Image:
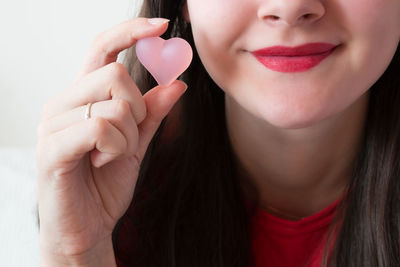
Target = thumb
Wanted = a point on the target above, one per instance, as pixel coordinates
(159, 101)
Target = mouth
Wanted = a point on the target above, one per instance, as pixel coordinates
(294, 59)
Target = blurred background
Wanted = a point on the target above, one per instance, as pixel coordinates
(43, 43)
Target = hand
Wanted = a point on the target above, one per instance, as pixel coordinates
(87, 169)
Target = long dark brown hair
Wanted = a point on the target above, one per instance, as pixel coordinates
(188, 207)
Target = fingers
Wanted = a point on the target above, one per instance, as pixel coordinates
(109, 44)
(159, 101)
(111, 129)
(117, 112)
(110, 82)
(96, 133)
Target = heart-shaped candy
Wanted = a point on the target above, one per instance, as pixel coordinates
(164, 59)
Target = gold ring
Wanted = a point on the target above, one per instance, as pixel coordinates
(87, 113)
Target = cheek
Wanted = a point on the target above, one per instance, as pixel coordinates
(377, 20)
(216, 27)
(210, 21)
(370, 33)
(373, 31)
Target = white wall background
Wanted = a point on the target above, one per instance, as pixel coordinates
(42, 45)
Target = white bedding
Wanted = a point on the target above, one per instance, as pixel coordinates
(19, 236)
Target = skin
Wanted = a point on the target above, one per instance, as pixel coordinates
(88, 168)
(296, 134)
(83, 165)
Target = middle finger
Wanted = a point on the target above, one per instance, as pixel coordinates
(117, 112)
(110, 82)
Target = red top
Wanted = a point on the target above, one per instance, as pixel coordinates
(279, 242)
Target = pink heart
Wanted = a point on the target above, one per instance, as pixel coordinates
(164, 59)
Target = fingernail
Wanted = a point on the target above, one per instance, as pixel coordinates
(185, 85)
(157, 21)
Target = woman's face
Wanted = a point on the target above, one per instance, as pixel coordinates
(287, 91)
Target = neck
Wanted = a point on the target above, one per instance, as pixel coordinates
(296, 172)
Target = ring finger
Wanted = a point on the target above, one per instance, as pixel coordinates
(116, 111)
(110, 82)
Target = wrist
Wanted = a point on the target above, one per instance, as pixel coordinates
(102, 255)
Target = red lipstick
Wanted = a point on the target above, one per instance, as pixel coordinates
(294, 59)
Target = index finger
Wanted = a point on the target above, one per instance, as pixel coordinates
(107, 45)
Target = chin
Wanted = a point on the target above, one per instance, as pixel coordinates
(292, 124)
(293, 118)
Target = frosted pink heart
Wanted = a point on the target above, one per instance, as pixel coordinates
(166, 60)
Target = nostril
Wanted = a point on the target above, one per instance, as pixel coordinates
(272, 17)
(308, 16)
(305, 17)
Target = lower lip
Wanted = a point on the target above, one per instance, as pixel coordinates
(292, 63)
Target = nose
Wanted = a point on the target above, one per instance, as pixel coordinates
(290, 12)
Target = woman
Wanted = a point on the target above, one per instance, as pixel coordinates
(266, 138)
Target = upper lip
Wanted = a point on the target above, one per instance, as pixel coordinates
(302, 50)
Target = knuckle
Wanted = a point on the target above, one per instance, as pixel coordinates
(122, 108)
(100, 126)
(134, 144)
(100, 44)
(98, 37)
(117, 71)
(98, 40)
(143, 112)
(133, 36)
(132, 140)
